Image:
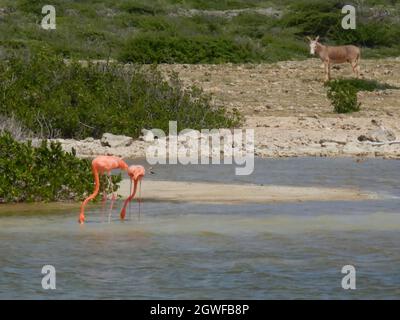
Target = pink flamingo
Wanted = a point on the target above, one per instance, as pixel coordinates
(100, 165)
(136, 173)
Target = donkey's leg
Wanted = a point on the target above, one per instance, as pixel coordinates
(356, 68)
(327, 71)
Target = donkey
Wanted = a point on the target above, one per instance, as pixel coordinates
(335, 55)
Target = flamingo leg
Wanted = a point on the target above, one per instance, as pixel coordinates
(140, 197)
(129, 205)
(92, 196)
(111, 208)
(129, 199)
(104, 199)
(112, 197)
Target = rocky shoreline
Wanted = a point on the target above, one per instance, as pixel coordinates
(275, 137)
(342, 136)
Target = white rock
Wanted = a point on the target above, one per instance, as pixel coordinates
(379, 135)
(115, 141)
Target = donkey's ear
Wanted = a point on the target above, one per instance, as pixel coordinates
(317, 38)
(308, 38)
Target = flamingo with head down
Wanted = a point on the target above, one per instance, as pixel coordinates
(101, 165)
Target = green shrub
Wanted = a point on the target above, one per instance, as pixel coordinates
(164, 30)
(157, 48)
(343, 92)
(343, 96)
(140, 8)
(315, 17)
(367, 84)
(323, 18)
(56, 99)
(278, 47)
(217, 5)
(369, 33)
(45, 173)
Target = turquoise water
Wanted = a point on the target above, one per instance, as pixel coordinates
(191, 251)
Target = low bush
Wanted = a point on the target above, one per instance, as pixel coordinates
(57, 99)
(157, 48)
(46, 173)
(343, 92)
(171, 31)
(323, 18)
(217, 5)
(343, 96)
(315, 17)
(367, 84)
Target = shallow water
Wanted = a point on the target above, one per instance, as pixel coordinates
(183, 251)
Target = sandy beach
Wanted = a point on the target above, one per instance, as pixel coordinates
(215, 193)
(205, 193)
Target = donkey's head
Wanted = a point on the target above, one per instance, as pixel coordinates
(313, 44)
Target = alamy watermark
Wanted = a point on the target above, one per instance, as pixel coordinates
(349, 280)
(49, 20)
(49, 279)
(349, 20)
(215, 146)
